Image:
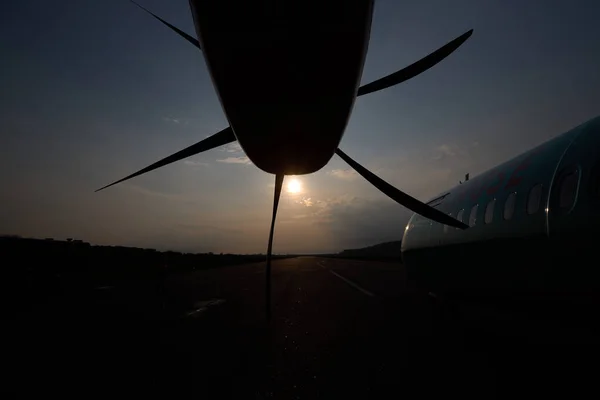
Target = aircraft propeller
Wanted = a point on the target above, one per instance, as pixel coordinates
(227, 135)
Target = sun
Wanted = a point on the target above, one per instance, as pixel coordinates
(294, 186)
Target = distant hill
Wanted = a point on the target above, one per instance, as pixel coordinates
(387, 251)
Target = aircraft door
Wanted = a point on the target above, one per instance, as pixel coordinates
(573, 210)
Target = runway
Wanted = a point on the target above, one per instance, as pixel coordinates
(339, 328)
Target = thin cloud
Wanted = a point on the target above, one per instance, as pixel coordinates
(354, 222)
(445, 151)
(236, 160)
(152, 193)
(305, 201)
(453, 151)
(345, 174)
(232, 148)
(172, 120)
(178, 121)
(192, 163)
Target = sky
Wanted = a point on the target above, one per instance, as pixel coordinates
(92, 91)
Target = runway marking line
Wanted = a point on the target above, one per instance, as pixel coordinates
(201, 306)
(348, 281)
(105, 287)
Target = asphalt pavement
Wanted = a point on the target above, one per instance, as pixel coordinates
(339, 329)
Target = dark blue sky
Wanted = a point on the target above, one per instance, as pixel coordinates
(92, 91)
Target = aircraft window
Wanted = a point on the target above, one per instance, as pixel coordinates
(489, 211)
(534, 199)
(509, 205)
(473, 215)
(567, 189)
(459, 216)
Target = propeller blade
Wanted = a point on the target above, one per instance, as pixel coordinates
(400, 197)
(218, 139)
(415, 69)
(278, 186)
(181, 33)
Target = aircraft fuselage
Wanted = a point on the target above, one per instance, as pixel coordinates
(534, 224)
(286, 74)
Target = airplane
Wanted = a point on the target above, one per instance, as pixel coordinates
(287, 76)
(529, 219)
